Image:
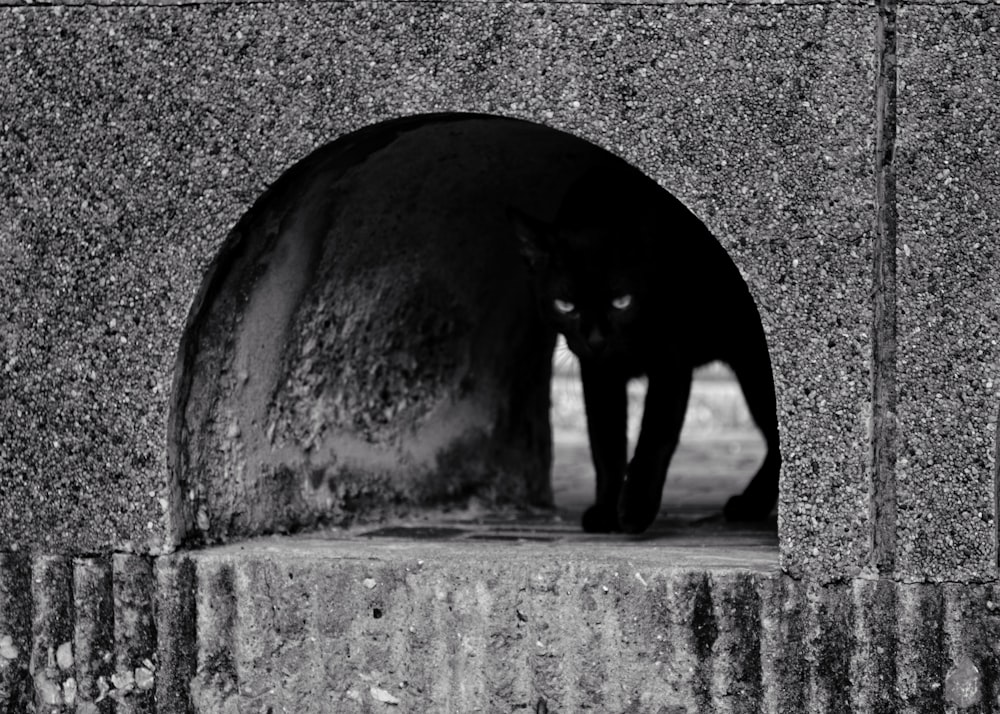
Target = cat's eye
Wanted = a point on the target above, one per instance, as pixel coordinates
(621, 302)
(564, 306)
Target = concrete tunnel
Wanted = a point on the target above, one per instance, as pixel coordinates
(365, 342)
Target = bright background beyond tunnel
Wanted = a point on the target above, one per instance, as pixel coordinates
(720, 447)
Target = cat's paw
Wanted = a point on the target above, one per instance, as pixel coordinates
(598, 519)
(638, 518)
(636, 513)
(639, 503)
(741, 509)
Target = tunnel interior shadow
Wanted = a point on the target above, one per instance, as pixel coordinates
(365, 345)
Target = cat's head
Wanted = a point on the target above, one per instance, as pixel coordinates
(588, 281)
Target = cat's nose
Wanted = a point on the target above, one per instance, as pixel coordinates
(595, 341)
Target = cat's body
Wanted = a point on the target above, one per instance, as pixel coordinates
(638, 286)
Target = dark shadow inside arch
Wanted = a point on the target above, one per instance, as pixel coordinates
(366, 343)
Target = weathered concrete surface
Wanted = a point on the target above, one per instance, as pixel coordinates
(462, 623)
(457, 628)
(122, 177)
(949, 311)
(125, 175)
(367, 341)
(83, 632)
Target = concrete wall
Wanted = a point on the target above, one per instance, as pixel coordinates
(133, 138)
(844, 153)
(947, 248)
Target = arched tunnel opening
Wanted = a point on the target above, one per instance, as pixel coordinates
(366, 343)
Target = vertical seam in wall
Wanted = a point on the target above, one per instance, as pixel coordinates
(883, 370)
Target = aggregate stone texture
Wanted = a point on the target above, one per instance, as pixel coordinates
(949, 291)
(134, 137)
(350, 622)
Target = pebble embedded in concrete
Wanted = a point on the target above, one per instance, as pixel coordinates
(963, 687)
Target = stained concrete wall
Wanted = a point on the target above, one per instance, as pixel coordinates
(320, 626)
(134, 137)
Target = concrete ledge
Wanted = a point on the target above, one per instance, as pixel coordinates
(451, 623)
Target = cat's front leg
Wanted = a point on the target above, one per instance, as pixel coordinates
(662, 419)
(605, 399)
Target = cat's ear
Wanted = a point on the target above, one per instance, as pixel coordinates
(534, 237)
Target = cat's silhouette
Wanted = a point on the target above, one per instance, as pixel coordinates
(639, 286)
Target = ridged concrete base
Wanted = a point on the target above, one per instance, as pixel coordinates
(459, 625)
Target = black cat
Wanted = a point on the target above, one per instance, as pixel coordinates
(638, 286)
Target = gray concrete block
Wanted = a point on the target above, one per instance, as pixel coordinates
(785, 636)
(135, 138)
(94, 635)
(134, 618)
(920, 663)
(443, 628)
(90, 643)
(134, 166)
(875, 660)
(176, 620)
(949, 315)
(971, 627)
(361, 623)
(15, 630)
(51, 661)
(832, 643)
